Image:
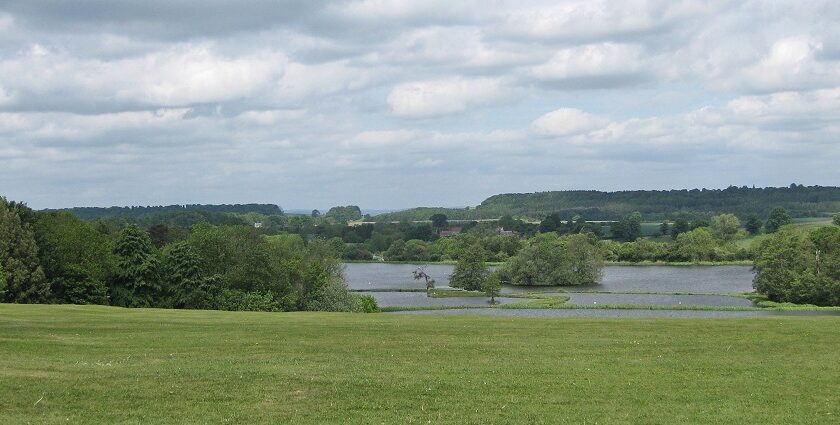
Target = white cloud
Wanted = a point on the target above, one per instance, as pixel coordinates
(426, 99)
(594, 64)
(568, 122)
(792, 63)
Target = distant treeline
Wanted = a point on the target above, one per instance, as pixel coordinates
(798, 200)
(140, 212)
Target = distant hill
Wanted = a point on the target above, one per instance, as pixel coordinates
(140, 212)
(800, 201)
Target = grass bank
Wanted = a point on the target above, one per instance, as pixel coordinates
(74, 364)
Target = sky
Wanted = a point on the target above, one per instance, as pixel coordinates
(396, 103)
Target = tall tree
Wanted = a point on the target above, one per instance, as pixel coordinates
(136, 282)
(778, 218)
(664, 228)
(470, 271)
(76, 258)
(753, 224)
(681, 225)
(25, 280)
(187, 287)
(725, 226)
(492, 286)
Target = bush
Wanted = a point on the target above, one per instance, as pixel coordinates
(369, 304)
(333, 296)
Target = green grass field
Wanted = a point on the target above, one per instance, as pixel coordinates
(75, 364)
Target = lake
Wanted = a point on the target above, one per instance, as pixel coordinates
(635, 279)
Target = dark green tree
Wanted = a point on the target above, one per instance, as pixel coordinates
(753, 224)
(836, 219)
(664, 228)
(76, 258)
(25, 279)
(778, 218)
(187, 287)
(470, 271)
(681, 225)
(629, 228)
(439, 221)
(551, 223)
(136, 282)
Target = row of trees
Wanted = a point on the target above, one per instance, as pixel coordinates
(57, 257)
(694, 204)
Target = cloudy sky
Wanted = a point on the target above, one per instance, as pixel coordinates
(397, 103)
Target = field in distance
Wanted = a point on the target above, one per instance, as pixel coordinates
(93, 364)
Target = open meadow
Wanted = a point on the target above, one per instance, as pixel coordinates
(93, 364)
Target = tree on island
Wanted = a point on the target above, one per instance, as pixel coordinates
(470, 271)
(420, 273)
(492, 287)
(549, 259)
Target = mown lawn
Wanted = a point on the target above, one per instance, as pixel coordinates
(74, 364)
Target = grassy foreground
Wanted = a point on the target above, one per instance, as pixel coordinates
(83, 364)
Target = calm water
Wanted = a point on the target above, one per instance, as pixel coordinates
(698, 279)
(620, 313)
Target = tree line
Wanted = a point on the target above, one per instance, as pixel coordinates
(56, 257)
(799, 200)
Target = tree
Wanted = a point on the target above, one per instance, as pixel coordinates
(136, 282)
(470, 271)
(551, 223)
(681, 225)
(629, 228)
(800, 267)
(315, 214)
(420, 273)
(76, 258)
(696, 245)
(344, 214)
(492, 287)
(548, 259)
(778, 218)
(664, 228)
(188, 289)
(753, 225)
(836, 219)
(725, 226)
(439, 221)
(25, 281)
(2, 282)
